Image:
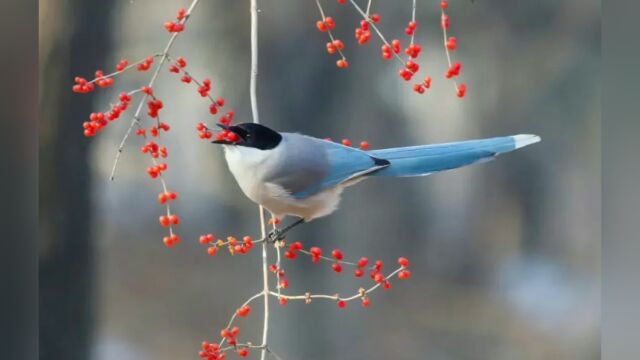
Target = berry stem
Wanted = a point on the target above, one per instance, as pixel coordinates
(358, 295)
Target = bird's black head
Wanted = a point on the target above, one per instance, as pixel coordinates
(252, 135)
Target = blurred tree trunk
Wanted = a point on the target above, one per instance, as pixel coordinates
(69, 32)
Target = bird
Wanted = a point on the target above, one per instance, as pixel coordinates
(292, 174)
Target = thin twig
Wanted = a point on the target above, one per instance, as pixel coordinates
(256, 119)
(336, 297)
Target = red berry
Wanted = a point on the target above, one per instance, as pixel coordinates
(235, 331)
(358, 273)
(316, 251)
(164, 221)
(168, 242)
(452, 43)
(283, 301)
(444, 4)
(244, 311)
(321, 26)
(427, 82)
(364, 145)
(462, 90)
(347, 142)
(363, 262)
(330, 23)
(336, 267)
(365, 302)
(404, 274)
(342, 304)
(378, 278)
(212, 250)
(337, 254)
(403, 262)
(342, 64)
(243, 352)
(395, 44)
(375, 18)
(444, 21)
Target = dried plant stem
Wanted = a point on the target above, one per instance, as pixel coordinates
(256, 119)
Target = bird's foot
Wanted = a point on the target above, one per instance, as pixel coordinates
(275, 235)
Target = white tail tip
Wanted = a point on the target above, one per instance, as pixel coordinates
(524, 140)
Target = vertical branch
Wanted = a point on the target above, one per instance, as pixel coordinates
(254, 62)
(256, 119)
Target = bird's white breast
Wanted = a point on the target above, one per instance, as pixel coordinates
(249, 166)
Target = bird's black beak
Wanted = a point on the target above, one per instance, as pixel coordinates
(234, 129)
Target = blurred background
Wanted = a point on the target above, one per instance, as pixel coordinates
(505, 255)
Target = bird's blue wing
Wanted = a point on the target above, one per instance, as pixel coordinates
(345, 163)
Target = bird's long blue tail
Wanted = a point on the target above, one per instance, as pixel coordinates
(427, 159)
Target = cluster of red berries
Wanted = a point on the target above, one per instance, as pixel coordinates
(180, 63)
(215, 352)
(453, 71)
(389, 50)
(122, 65)
(171, 240)
(176, 26)
(97, 121)
(291, 254)
(155, 130)
(82, 85)
(214, 107)
(420, 88)
(243, 311)
(146, 64)
(102, 81)
(283, 282)
(166, 220)
(362, 33)
(234, 246)
(154, 105)
(335, 46)
(152, 148)
(225, 134)
(327, 24)
(211, 352)
(156, 170)
(166, 196)
(411, 28)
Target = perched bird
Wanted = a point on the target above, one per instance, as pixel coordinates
(302, 176)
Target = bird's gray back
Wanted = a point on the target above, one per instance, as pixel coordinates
(301, 163)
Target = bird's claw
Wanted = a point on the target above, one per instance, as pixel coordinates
(275, 235)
